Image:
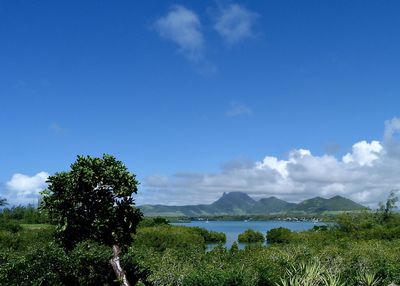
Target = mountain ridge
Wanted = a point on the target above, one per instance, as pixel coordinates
(240, 203)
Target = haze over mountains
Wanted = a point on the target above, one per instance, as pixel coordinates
(238, 203)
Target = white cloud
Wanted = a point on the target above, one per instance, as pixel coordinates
(365, 175)
(274, 164)
(23, 189)
(364, 153)
(238, 109)
(235, 23)
(391, 127)
(183, 27)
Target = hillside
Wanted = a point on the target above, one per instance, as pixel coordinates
(318, 205)
(238, 203)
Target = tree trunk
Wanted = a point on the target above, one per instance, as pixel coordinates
(115, 263)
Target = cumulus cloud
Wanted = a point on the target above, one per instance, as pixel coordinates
(24, 189)
(366, 175)
(183, 27)
(235, 23)
(238, 109)
(364, 153)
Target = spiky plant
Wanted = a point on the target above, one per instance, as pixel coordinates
(310, 274)
(368, 279)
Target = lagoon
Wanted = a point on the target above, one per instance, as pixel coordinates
(233, 228)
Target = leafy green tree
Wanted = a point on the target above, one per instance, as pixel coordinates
(3, 202)
(279, 235)
(386, 209)
(93, 201)
(250, 236)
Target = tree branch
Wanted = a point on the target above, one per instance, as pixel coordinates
(115, 263)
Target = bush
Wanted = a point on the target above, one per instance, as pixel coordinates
(251, 236)
(163, 237)
(153, 221)
(11, 227)
(87, 264)
(210, 236)
(279, 235)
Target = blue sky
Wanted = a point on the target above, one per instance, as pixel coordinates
(187, 91)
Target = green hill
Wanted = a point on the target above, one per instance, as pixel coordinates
(233, 203)
(319, 205)
(238, 203)
(271, 205)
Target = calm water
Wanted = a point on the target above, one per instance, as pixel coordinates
(233, 228)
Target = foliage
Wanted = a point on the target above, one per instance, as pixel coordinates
(384, 224)
(386, 210)
(359, 250)
(174, 255)
(320, 228)
(153, 221)
(368, 279)
(87, 264)
(3, 202)
(23, 215)
(162, 237)
(312, 273)
(279, 235)
(251, 235)
(92, 201)
(210, 236)
(10, 226)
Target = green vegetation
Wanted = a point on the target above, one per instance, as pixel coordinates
(3, 202)
(164, 237)
(279, 235)
(23, 214)
(16, 218)
(174, 255)
(210, 236)
(92, 201)
(250, 236)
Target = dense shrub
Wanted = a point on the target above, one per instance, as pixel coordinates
(23, 214)
(87, 264)
(153, 221)
(279, 235)
(210, 236)
(251, 236)
(166, 236)
(10, 226)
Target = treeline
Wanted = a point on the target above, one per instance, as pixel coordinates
(12, 219)
(22, 215)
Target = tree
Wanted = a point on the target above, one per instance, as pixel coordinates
(250, 236)
(93, 201)
(279, 235)
(3, 202)
(386, 209)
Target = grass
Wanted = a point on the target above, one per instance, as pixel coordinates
(27, 226)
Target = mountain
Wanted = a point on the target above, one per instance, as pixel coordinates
(234, 202)
(238, 203)
(318, 205)
(271, 205)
